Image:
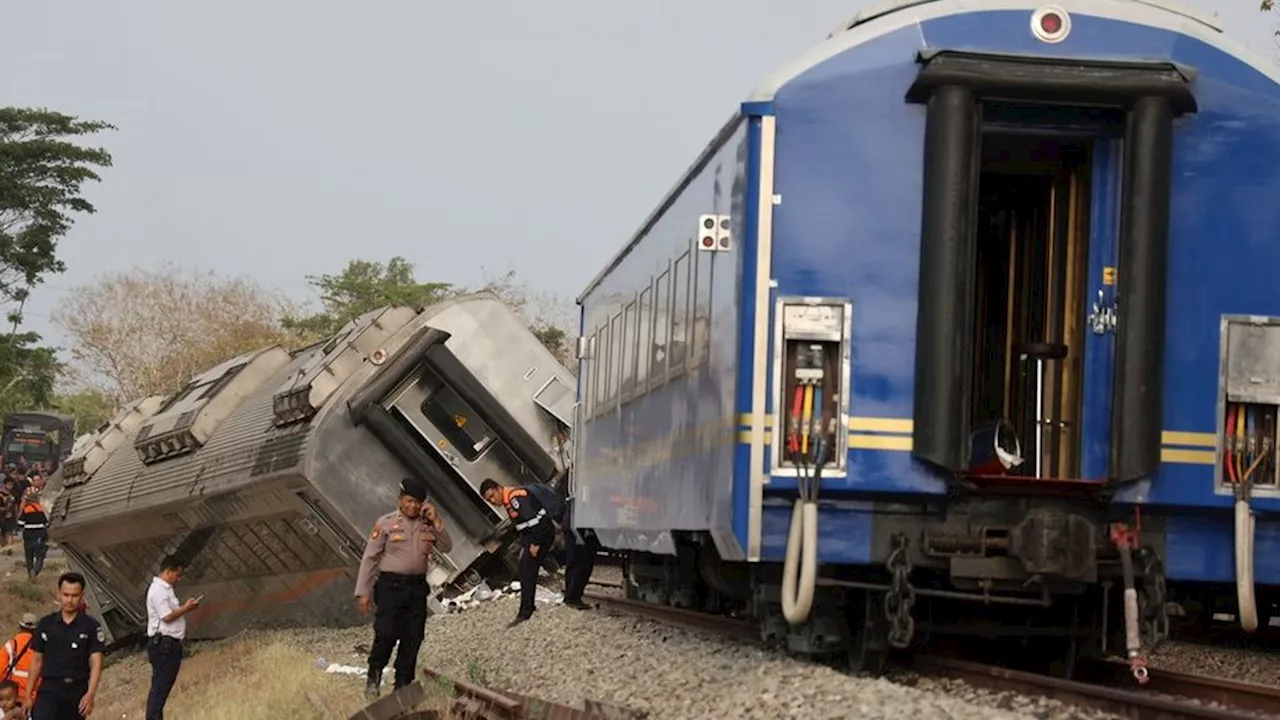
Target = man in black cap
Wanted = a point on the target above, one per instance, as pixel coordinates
(399, 549)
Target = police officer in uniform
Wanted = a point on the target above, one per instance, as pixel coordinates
(399, 549)
(66, 656)
(536, 532)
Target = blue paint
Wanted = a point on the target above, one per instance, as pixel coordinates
(848, 168)
(844, 534)
(1099, 350)
(1202, 549)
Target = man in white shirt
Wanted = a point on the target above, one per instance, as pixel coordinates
(166, 627)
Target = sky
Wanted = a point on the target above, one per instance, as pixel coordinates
(282, 139)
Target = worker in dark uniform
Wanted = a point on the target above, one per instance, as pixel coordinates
(536, 532)
(399, 549)
(66, 657)
(580, 560)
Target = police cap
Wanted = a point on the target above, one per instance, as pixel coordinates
(414, 488)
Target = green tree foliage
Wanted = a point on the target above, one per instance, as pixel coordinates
(361, 287)
(41, 176)
(28, 373)
(91, 408)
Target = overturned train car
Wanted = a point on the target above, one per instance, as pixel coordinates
(266, 471)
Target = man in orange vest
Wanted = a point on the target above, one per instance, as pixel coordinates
(15, 656)
(35, 533)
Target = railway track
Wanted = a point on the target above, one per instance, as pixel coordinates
(438, 697)
(1107, 686)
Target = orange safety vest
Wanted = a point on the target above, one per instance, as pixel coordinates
(13, 648)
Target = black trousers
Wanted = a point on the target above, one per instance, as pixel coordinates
(580, 562)
(400, 618)
(36, 546)
(543, 535)
(165, 654)
(59, 699)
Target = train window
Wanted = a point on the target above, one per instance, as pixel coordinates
(644, 329)
(602, 371)
(615, 358)
(629, 349)
(458, 422)
(679, 311)
(657, 355)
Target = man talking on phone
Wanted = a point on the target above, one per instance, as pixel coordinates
(166, 626)
(399, 551)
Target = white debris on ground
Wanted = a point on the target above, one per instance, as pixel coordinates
(482, 593)
(567, 655)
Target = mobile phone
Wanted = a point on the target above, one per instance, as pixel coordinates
(199, 598)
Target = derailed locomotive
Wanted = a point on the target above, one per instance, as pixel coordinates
(960, 325)
(266, 471)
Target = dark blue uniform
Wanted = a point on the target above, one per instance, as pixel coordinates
(65, 672)
(534, 526)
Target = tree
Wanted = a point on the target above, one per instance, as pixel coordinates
(41, 176)
(90, 406)
(362, 287)
(145, 332)
(28, 373)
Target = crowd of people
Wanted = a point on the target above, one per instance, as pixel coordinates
(22, 513)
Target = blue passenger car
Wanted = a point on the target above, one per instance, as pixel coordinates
(971, 305)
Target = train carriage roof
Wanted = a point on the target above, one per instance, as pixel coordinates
(860, 29)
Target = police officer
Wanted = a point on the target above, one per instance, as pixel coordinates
(399, 548)
(536, 532)
(66, 656)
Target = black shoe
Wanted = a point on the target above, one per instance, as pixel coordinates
(374, 686)
(519, 619)
(577, 605)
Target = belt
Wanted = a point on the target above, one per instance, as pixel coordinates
(400, 576)
(66, 680)
(33, 527)
(530, 523)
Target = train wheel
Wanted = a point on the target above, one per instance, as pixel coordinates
(869, 639)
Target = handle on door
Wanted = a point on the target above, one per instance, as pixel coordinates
(1102, 318)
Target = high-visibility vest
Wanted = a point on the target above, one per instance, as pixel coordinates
(16, 645)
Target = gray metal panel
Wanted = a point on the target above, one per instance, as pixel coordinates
(124, 485)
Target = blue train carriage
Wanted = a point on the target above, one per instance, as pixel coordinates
(969, 308)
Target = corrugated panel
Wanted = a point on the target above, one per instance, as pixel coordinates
(124, 484)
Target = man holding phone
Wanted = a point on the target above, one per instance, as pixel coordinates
(166, 626)
(399, 552)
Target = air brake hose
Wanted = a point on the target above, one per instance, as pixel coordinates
(1132, 635)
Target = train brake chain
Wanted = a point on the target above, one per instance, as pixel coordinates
(901, 598)
(1153, 599)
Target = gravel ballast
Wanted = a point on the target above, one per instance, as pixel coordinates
(567, 656)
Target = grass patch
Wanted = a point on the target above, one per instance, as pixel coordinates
(243, 679)
(26, 591)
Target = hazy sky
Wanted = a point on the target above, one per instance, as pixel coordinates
(280, 139)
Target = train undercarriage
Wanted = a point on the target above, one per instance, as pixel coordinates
(939, 582)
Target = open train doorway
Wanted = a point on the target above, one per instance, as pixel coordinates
(1032, 234)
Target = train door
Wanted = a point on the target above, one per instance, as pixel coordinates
(1098, 336)
(1032, 251)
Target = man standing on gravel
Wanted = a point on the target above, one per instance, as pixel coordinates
(399, 549)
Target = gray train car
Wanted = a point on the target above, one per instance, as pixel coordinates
(267, 471)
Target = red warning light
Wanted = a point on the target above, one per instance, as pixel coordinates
(708, 241)
(1051, 23)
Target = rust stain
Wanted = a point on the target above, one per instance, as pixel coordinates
(305, 586)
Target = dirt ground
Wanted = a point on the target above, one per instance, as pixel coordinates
(271, 676)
